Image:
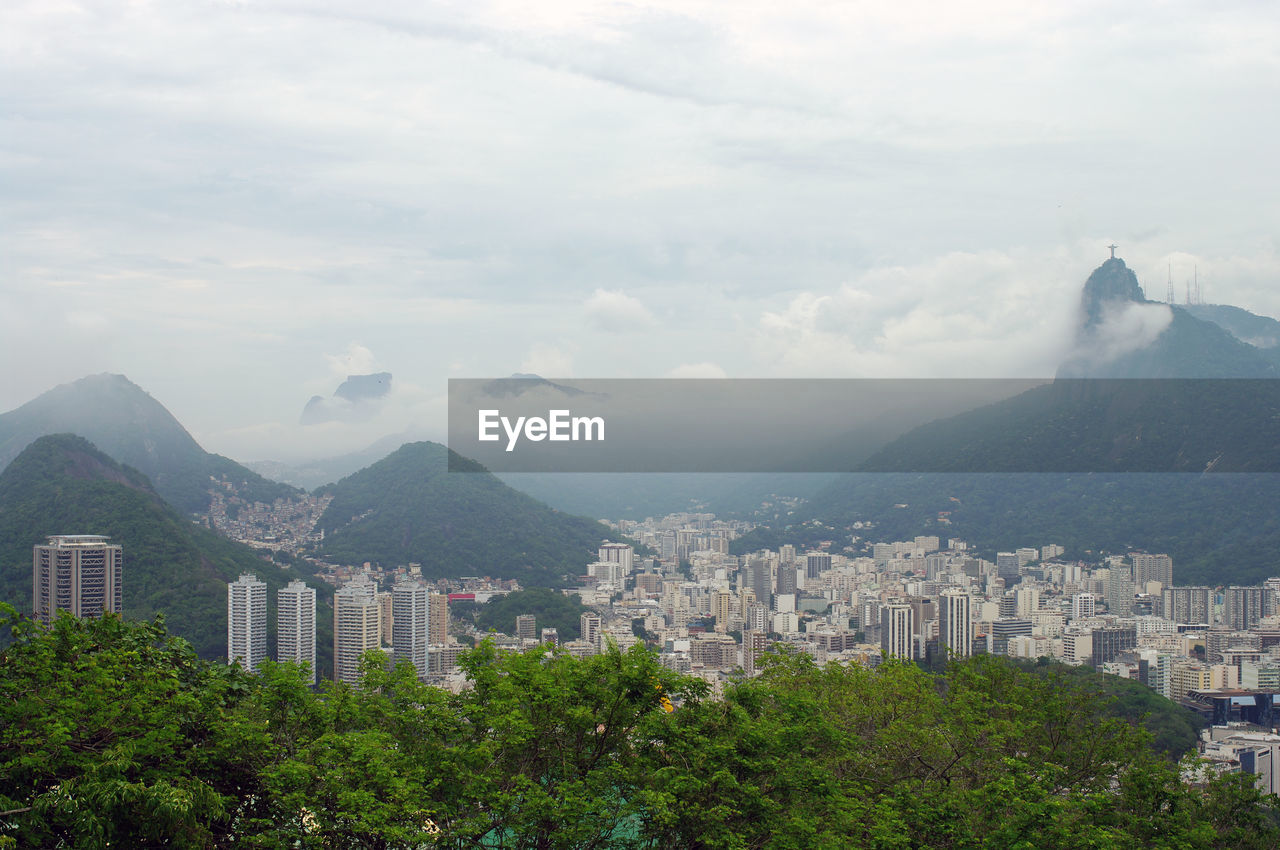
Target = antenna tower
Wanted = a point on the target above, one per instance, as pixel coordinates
(1169, 291)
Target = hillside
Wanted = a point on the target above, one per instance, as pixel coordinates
(123, 421)
(61, 484)
(1220, 529)
(1101, 425)
(1096, 465)
(1260, 331)
(408, 507)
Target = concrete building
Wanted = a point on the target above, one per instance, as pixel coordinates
(296, 625)
(1148, 568)
(897, 630)
(357, 624)
(247, 622)
(590, 627)
(526, 627)
(78, 573)
(955, 624)
(409, 633)
(437, 618)
(1188, 605)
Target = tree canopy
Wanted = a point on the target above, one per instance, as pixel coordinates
(114, 733)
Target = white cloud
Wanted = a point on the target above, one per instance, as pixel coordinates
(961, 315)
(615, 311)
(697, 370)
(549, 361)
(356, 360)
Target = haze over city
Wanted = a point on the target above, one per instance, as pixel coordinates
(239, 204)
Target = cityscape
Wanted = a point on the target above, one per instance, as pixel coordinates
(714, 615)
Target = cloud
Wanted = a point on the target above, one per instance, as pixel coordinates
(549, 361)
(697, 370)
(989, 315)
(616, 312)
(356, 360)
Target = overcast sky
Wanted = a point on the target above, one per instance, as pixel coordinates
(238, 203)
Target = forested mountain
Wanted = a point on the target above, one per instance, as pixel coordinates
(61, 484)
(122, 420)
(1123, 459)
(408, 507)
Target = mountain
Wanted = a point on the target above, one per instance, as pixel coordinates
(121, 419)
(1103, 425)
(1121, 461)
(1260, 331)
(409, 508)
(1123, 335)
(62, 484)
(357, 398)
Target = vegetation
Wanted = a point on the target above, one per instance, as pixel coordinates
(1219, 529)
(61, 484)
(551, 609)
(112, 733)
(409, 507)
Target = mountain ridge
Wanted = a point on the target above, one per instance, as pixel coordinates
(132, 427)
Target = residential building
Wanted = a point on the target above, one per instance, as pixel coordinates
(247, 622)
(296, 625)
(78, 573)
(357, 626)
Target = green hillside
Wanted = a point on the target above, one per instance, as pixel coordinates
(121, 419)
(408, 507)
(1096, 425)
(61, 484)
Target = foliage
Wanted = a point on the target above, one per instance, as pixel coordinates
(410, 507)
(114, 733)
(550, 608)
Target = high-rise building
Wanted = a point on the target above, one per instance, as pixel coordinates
(590, 626)
(1187, 604)
(1110, 641)
(617, 553)
(356, 628)
(1005, 628)
(386, 617)
(437, 618)
(551, 636)
(409, 625)
(754, 644)
(786, 584)
(816, 563)
(1083, 606)
(78, 573)
(760, 580)
(955, 624)
(1119, 594)
(1148, 568)
(1241, 607)
(247, 622)
(1007, 567)
(526, 627)
(296, 625)
(896, 630)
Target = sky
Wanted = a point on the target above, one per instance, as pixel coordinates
(238, 203)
